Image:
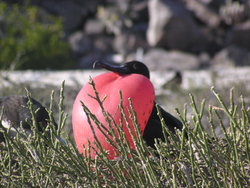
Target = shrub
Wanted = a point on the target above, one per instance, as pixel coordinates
(202, 160)
(31, 39)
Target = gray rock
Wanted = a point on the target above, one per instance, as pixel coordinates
(71, 13)
(94, 26)
(159, 59)
(233, 12)
(197, 79)
(102, 43)
(240, 35)
(190, 79)
(172, 26)
(203, 13)
(128, 42)
(88, 48)
(231, 56)
(80, 44)
(232, 77)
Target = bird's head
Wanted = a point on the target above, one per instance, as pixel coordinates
(131, 67)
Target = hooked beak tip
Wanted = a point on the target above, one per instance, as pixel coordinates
(95, 64)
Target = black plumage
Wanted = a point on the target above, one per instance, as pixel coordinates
(153, 128)
(16, 113)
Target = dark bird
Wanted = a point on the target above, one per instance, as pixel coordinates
(16, 113)
(174, 82)
(153, 128)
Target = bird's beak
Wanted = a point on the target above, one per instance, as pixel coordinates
(118, 68)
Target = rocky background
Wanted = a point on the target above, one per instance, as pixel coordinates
(165, 34)
(189, 45)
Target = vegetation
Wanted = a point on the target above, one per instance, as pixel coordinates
(201, 160)
(31, 39)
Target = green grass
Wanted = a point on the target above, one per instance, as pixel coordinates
(202, 160)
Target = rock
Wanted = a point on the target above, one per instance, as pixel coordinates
(197, 79)
(102, 43)
(128, 31)
(190, 78)
(88, 48)
(71, 13)
(80, 44)
(94, 26)
(233, 12)
(128, 42)
(215, 4)
(205, 60)
(159, 59)
(171, 26)
(240, 35)
(231, 56)
(232, 77)
(203, 13)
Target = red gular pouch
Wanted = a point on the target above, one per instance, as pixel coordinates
(136, 87)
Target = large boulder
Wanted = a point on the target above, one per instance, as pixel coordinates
(159, 59)
(87, 48)
(73, 12)
(172, 26)
(80, 43)
(230, 57)
(240, 35)
(94, 26)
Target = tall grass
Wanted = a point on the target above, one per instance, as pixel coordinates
(199, 160)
